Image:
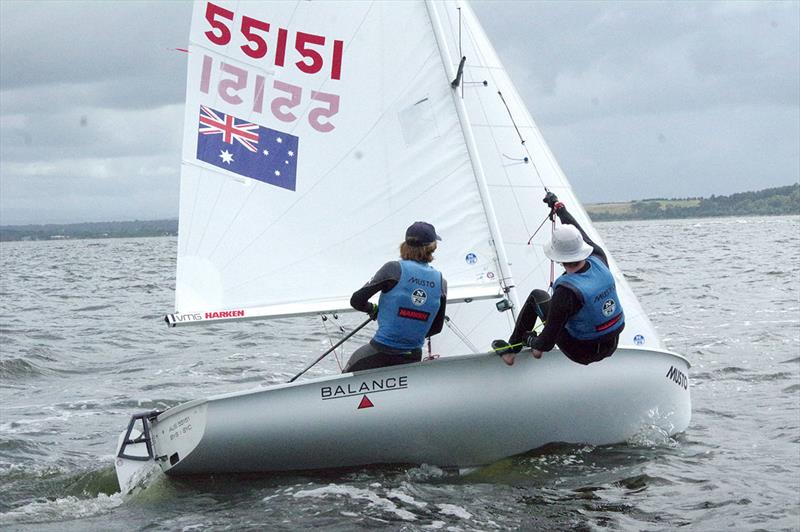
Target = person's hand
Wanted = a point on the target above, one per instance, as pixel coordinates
(536, 353)
(374, 312)
(531, 338)
(550, 199)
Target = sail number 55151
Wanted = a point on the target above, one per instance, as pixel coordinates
(235, 82)
(310, 47)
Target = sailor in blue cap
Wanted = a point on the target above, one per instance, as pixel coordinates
(411, 305)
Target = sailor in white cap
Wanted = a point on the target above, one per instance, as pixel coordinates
(584, 317)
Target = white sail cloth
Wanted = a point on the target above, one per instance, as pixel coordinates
(365, 122)
(376, 150)
(516, 187)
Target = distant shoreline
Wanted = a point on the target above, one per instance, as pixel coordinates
(768, 202)
(89, 230)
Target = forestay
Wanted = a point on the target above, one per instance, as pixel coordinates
(315, 133)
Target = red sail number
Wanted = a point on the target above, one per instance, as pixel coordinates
(310, 49)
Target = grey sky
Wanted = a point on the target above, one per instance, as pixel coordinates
(636, 99)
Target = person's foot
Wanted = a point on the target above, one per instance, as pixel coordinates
(505, 351)
(500, 347)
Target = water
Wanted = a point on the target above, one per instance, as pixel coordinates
(83, 347)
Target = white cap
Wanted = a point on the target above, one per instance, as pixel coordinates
(567, 245)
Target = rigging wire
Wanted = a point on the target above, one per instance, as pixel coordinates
(522, 140)
(482, 60)
(461, 336)
(330, 339)
(538, 228)
(460, 50)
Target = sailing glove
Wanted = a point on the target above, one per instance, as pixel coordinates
(531, 339)
(551, 200)
(374, 312)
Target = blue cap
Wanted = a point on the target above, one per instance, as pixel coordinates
(421, 234)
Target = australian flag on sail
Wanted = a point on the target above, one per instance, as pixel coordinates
(247, 149)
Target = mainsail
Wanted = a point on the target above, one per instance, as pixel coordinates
(315, 132)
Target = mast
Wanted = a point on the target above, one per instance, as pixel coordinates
(506, 280)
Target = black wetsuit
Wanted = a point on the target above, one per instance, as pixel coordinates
(562, 306)
(376, 354)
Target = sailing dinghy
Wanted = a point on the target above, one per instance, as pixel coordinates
(314, 133)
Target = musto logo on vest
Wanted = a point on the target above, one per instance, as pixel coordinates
(419, 297)
(608, 307)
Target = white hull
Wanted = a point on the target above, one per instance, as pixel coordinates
(451, 412)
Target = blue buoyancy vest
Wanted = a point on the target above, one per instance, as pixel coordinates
(406, 312)
(601, 312)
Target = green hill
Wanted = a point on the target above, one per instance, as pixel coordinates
(767, 202)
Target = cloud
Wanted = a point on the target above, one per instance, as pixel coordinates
(64, 42)
(90, 189)
(84, 131)
(92, 110)
(645, 99)
(645, 57)
(637, 99)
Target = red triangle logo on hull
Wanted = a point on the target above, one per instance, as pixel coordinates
(365, 403)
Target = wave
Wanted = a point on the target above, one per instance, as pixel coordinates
(37, 491)
(15, 368)
(92, 308)
(60, 509)
(794, 388)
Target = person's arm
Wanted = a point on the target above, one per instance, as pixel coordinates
(564, 304)
(567, 219)
(384, 280)
(438, 321)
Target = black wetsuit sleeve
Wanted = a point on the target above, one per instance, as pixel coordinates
(384, 280)
(567, 218)
(563, 305)
(438, 321)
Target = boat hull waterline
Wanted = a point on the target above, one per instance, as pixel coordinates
(463, 411)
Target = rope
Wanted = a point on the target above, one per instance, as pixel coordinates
(325, 326)
(537, 229)
(552, 262)
(460, 335)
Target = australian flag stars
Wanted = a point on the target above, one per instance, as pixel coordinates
(247, 149)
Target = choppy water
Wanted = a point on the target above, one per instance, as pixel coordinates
(83, 347)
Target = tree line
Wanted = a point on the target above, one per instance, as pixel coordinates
(767, 202)
(133, 229)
